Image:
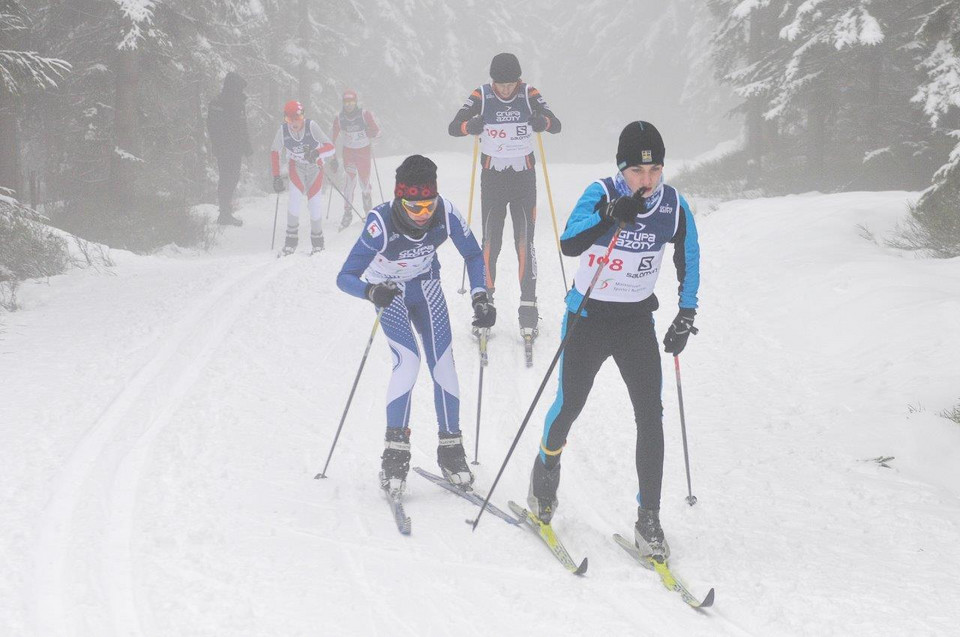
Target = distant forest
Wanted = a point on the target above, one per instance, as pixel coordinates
(103, 102)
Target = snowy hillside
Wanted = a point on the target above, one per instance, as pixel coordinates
(162, 424)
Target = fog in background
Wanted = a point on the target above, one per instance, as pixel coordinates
(104, 103)
(600, 65)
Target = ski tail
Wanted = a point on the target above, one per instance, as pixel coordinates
(404, 525)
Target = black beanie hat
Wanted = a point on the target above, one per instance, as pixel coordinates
(640, 143)
(416, 178)
(505, 67)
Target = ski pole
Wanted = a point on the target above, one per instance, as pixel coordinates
(483, 363)
(377, 171)
(553, 214)
(473, 178)
(340, 192)
(343, 418)
(329, 200)
(691, 499)
(596, 276)
(276, 211)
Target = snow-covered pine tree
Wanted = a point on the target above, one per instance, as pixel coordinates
(833, 77)
(22, 69)
(936, 217)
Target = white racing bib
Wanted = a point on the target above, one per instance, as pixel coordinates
(506, 125)
(631, 273)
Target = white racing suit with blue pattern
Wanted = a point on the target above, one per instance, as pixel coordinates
(383, 253)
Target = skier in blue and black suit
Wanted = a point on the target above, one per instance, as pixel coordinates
(617, 320)
(394, 265)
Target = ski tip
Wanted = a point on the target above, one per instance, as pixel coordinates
(582, 569)
(708, 600)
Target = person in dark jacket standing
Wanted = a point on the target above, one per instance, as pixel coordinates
(230, 140)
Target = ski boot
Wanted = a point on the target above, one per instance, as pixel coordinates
(316, 241)
(289, 245)
(648, 535)
(453, 461)
(347, 219)
(542, 496)
(529, 319)
(367, 202)
(227, 219)
(476, 330)
(395, 461)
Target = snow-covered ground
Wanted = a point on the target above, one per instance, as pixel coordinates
(162, 424)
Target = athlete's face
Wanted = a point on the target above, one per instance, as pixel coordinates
(645, 177)
(294, 122)
(505, 90)
(420, 211)
(349, 105)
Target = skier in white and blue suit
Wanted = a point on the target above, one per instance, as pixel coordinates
(617, 319)
(394, 265)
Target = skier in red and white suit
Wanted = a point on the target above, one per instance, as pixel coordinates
(307, 147)
(358, 127)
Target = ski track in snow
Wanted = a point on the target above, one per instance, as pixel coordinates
(187, 506)
(177, 363)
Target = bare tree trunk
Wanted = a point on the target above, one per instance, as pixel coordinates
(304, 75)
(125, 124)
(754, 123)
(10, 174)
(200, 165)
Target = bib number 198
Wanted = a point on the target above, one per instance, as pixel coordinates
(616, 264)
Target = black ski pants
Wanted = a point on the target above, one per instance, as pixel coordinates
(229, 166)
(498, 189)
(632, 342)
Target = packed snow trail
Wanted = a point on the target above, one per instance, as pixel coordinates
(163, 424)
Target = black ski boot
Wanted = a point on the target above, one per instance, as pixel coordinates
(316, 241)
(542, 496)
(395, 461)
(529, 319)
(227, 219)
(648, 535)
(453, 461)
(290, 244)
(347, 219)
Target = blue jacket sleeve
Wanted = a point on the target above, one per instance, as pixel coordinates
(686, 256)
(469, 249)
(372, 240)
(585, 224)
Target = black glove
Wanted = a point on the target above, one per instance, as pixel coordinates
(333, 164)
(475, 125)
(312, 155)
(278, 184)
(539, 122)
(624, 209)
(679, 331)
(382, 294)
(484, 314)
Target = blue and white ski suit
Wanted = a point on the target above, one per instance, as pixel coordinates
(383, 253)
